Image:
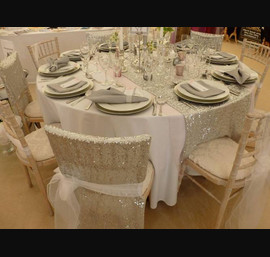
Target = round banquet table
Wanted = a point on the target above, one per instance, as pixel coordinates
(169, 132)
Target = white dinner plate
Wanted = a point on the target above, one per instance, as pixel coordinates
(200, 101)
(125, 112)
(104, 47)
(127, 107)
(70, 68)
(221, 60)
(221, 76)
(76, 57)
(67, 96)
(50, 92)
(213, 99)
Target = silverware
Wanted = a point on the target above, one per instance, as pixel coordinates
(88, 106)
(73, 99)
(78, 100)
(233, 92)
(189, 105)
(154, 113)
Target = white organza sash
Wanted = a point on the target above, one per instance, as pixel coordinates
(61, 195)
(248, 211)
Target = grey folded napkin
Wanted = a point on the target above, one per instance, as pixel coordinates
(114, 96)
(211, 91)
(55, 64)
(74, 84)
(226, 55)
(73, 55)
(238, 74)
(221, 56)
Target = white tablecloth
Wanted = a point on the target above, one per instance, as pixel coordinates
(168, 134)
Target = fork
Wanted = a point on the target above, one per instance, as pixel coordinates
(234, 92)
(88, 106)
(154, 113)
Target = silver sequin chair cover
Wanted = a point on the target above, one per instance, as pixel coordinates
(207, 39)
(13, 76)
(105, 161)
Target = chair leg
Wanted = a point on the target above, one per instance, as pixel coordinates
(222, 208)
(181, 174)
(38, 125)
(26, 128)
(29, 182)
(43, 190)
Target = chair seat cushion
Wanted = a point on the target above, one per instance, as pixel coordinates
(255, 123)
(32, 110)
(39, 145)
(217, 157)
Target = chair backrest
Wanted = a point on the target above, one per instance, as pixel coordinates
(41, 52)
(13, 76)
(105, 161)
(207, 39)
(15, 133)
(259, 120)
(259, 53)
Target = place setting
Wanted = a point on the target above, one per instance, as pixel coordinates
(73, 55)
(58, 67)
(202, 91)
(121, 101)
(65, 88)
(105, 47)
(221, 58)
(239, 75)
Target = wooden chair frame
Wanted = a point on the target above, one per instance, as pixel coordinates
(231, 183)
(45, 49)
(261, 54)
(234, 34)
(29, 163)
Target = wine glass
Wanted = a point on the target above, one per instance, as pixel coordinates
(85, 54)
(148, 66)
(104, 62)
(161, 100)
(117, 68)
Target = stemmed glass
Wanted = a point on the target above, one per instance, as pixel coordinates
(85, 54)
(161, 100)
(92, 63)
(104, 61)
(148, 66)
(117, 67)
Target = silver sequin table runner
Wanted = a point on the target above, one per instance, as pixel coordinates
(206, 122)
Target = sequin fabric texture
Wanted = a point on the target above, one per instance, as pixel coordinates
(106, 161)
(12, 74)
(203, 122)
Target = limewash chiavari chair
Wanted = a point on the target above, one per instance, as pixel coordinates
(110, 179)
(19, 96)
(225, 162)
(259, 53)
(41, 52)
(33, 150)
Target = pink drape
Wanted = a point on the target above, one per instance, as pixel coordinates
(211, 30)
